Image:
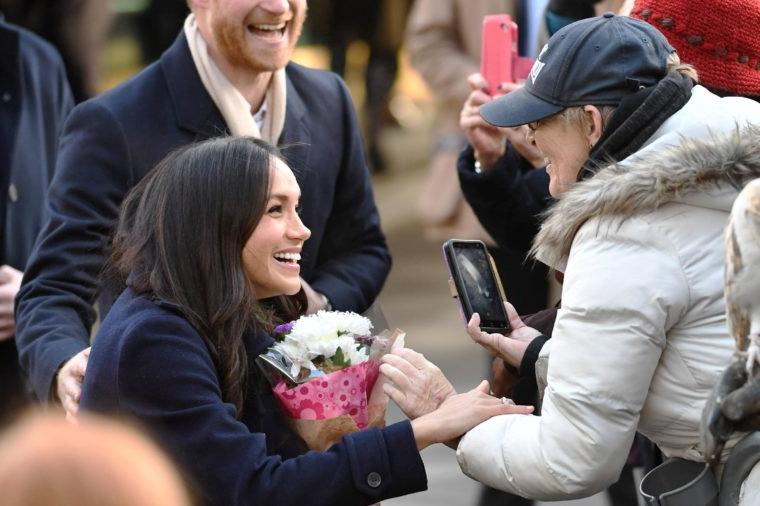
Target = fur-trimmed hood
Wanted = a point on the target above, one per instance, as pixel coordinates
(717, 165)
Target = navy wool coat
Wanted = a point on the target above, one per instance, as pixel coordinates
(112, 141)
(149, 363)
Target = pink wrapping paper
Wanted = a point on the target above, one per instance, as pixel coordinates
(344, 392)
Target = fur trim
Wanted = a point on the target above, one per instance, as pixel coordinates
(646, 182)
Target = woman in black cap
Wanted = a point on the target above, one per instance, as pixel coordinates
(641, 336)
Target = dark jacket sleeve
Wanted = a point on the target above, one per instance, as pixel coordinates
(354, 260)
(54, 311)
(167, 380)
(507, 199)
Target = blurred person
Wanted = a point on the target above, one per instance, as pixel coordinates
(191, 322)
(157, 26)
(227, 72)
(443, 40)
(77, 29)
(640, 244)
(378, 23)
(96, 462)
(35, 101)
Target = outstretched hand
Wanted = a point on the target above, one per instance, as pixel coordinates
(460, 413)
(417, 385)
(510, 348)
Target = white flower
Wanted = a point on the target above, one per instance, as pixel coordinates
(322, 334)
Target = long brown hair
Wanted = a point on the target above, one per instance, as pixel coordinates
(180, 238)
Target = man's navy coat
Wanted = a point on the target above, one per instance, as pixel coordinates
(112, 141)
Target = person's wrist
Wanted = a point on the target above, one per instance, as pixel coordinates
(423, 431)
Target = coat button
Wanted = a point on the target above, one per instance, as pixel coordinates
(374, 480)
(12, 193)
(6, 97)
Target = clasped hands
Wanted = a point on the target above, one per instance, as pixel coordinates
(428, 398)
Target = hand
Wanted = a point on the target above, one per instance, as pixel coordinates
(509, 348)
(521, 138)
(417, 385)
(315, 300)
(502, 378)
(10, 282)
(488, 141)
(69, 382)
(460, 413)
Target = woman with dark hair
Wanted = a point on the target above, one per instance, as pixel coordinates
(212, 231)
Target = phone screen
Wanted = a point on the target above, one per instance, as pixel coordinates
(478, 282)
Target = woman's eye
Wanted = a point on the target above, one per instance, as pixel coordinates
(299, 208)
(275, 209)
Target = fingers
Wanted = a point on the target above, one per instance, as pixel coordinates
(400, 363)
(514, 319)
(505, 88)
(400, 380)
(414, 358)
(477, 81)
(72, 392)
(513, 409)
(484, 387)
(395, 394)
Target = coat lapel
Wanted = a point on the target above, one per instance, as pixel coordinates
(295, 140)
(193, 107)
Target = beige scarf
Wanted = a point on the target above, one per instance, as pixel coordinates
(234, 107)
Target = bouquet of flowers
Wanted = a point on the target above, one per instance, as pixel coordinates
(324, 369)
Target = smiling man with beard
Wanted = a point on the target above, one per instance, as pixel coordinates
(228, 72)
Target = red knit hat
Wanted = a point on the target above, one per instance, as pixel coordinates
(719, 37)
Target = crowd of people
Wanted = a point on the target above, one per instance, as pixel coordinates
(224, 190)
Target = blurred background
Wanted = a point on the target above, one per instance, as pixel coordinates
(104, 42)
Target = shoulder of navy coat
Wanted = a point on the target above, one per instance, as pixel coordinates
(150, 364)
(110, 142)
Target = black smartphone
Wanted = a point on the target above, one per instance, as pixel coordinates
(475, 282)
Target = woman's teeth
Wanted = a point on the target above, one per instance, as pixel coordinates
(288, 257)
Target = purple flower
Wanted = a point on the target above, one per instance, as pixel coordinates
(283, 329)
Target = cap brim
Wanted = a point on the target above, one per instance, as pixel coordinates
(519, 107)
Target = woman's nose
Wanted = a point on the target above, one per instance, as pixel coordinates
(298, 230)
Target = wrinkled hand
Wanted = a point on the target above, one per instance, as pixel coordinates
(460, 413)
(10, 282)
(417, 385)
(509, 348)
(314, 299)
(69, 382)
(488, 141)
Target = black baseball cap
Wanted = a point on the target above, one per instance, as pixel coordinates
(595, 61)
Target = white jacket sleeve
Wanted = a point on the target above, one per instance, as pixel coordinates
(622, 291)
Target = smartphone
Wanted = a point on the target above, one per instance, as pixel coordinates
(499, 60)
(474, 281)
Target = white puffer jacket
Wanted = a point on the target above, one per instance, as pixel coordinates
(641, 337)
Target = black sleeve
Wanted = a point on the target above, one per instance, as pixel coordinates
(528, 364)
(507, 199)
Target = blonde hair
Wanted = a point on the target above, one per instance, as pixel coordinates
(674, 65)
(46, 460)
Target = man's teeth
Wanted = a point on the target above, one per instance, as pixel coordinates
(270, 28)
(288, 257)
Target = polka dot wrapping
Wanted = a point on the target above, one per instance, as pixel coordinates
(344, 392)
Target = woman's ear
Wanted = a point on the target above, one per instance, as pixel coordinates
(593, 125)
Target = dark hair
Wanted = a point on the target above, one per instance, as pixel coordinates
(180, 238)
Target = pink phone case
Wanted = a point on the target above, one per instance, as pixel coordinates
(499, 60)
